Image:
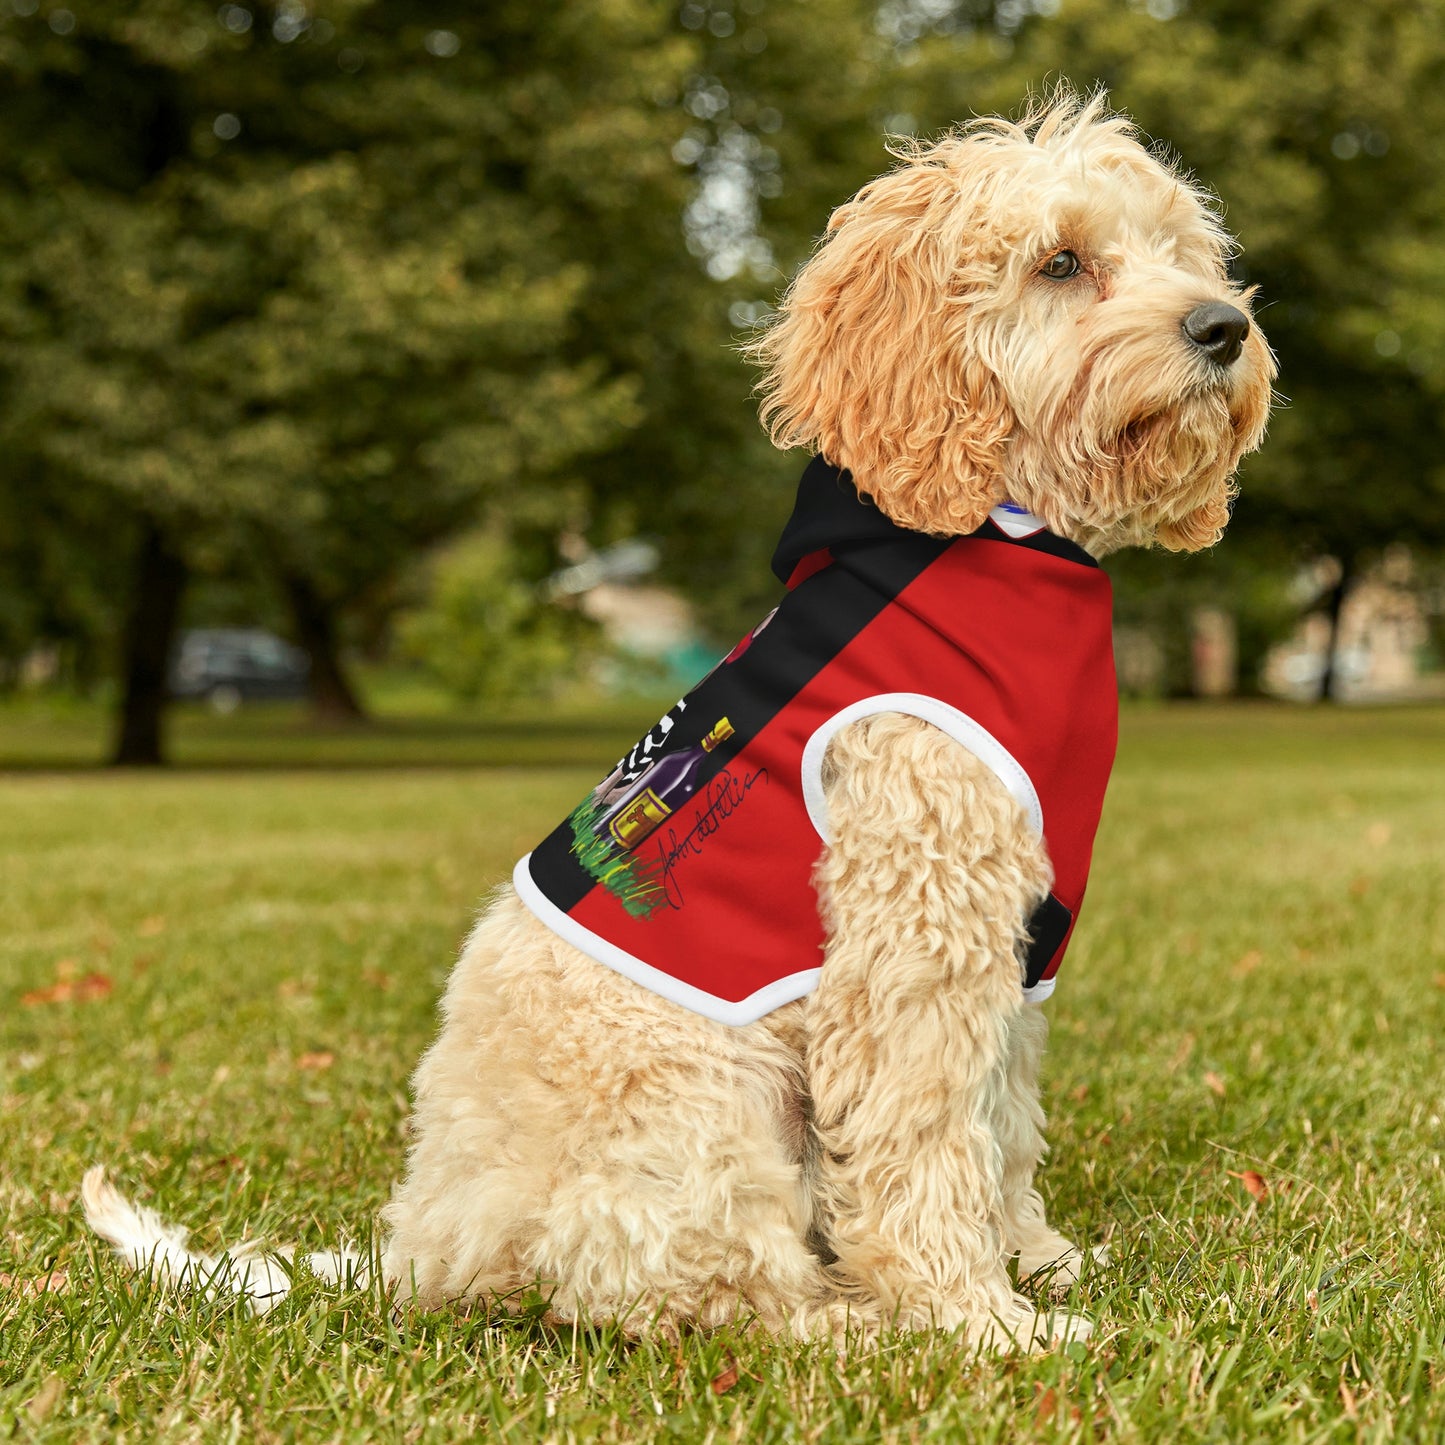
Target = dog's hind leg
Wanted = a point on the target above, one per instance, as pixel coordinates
(577, 1135)
(931, 870)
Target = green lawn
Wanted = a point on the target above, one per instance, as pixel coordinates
(216, 980)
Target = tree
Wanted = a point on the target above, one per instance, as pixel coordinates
(1318, 122)
(298, 289)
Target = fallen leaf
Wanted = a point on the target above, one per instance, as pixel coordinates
(724, 1382)
(320, 1059)
(1214, 1083)
(1254, 1182)
(56, 1282)
(1248, 963)
(151, 927)
(82, 990)
(1080, 1094)
(56, 993)
(1440, 980)
(1047, 1408)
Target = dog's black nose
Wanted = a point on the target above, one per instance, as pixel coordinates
(1218, 331)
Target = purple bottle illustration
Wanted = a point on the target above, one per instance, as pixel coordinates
(643, 803)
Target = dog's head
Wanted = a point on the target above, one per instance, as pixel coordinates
(1036, 310)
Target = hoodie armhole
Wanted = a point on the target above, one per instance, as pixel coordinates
(947, 719)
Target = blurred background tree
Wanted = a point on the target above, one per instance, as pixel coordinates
(483, 632)
(294, 293)
(304, 290)
(1316, 121)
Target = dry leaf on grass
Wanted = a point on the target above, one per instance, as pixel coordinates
(66, 990)
(1248, 963)
(724, 1382)
(1214, 1083)
(1046, 1408)
(1254, 1183)
(56, 1282)
(320, 1059)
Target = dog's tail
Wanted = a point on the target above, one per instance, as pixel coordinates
(146, 1242)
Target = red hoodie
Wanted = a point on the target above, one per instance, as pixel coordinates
(689, 868)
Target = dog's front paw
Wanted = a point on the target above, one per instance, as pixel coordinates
(1056, 1267)
(1023, 1326)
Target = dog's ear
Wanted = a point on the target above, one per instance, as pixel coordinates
(873, 359)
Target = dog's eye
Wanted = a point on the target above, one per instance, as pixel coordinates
(1060, 266)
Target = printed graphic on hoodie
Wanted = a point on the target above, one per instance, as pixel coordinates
(644, 790)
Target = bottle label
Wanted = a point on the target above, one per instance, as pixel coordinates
(641, 815)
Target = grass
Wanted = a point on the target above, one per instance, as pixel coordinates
(409, 729)
(217, 980)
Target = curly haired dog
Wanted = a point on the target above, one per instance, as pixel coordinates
(1035, 313)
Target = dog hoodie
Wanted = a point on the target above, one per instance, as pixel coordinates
(689, 867)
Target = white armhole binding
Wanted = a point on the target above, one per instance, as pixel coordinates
(962, 729)
(947, 719)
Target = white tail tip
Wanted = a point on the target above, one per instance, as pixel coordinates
(147, 1243)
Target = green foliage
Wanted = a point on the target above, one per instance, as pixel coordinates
(308, 286)
(315, 287)
(1317, 121)
(484, 632)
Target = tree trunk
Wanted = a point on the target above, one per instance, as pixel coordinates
(1329, 678)
(333, 699)
(150, 631)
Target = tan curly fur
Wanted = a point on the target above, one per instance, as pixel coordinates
(922, 349)
(864, 1157)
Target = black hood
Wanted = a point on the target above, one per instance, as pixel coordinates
(831, 513)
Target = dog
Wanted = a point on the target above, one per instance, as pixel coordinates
(1014, 353)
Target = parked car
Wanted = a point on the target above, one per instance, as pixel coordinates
(230, 665)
